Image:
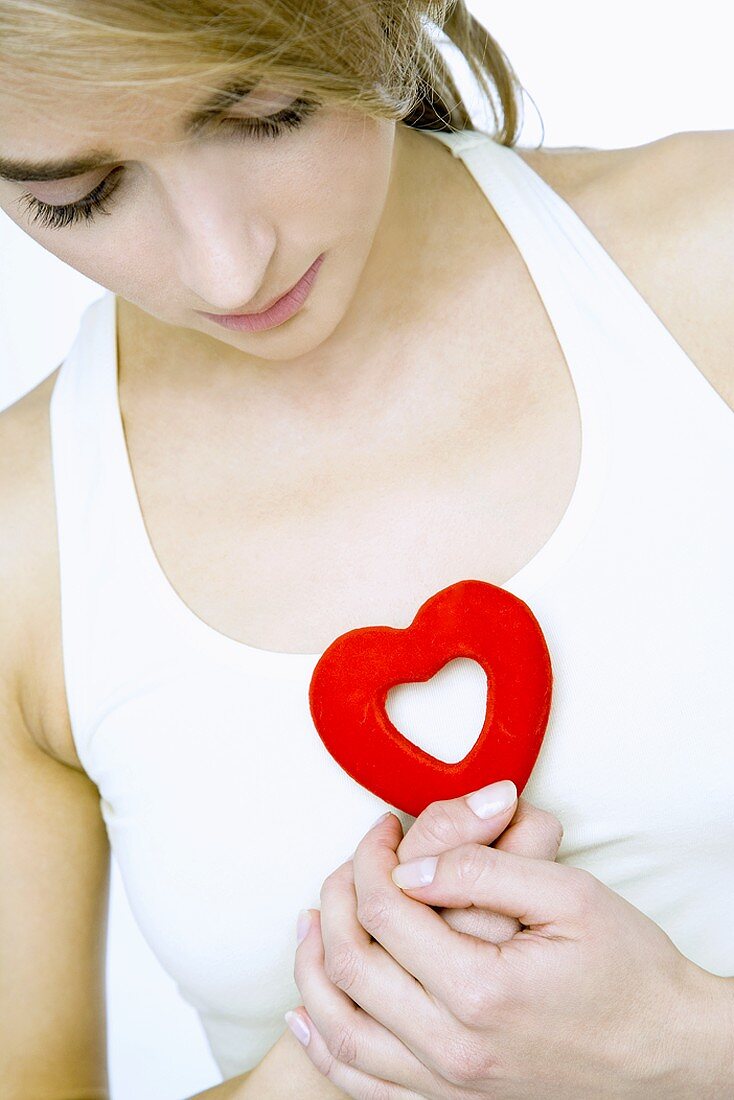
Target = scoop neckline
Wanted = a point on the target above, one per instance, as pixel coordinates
(551, 554)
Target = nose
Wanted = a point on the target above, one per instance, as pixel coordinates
(223, 244)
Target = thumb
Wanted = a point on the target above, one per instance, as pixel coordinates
(536, 892)
(480, 817)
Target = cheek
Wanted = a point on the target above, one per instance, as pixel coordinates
(342, 180)
(118, 259)
(126, 263)
(108, 265)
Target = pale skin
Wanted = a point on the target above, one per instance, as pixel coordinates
(366, 364)
(588, 997)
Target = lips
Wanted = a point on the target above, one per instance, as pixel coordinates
(282, 309)
(274, 301)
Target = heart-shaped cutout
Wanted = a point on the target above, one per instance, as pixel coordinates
(444, 714)
(472, 619)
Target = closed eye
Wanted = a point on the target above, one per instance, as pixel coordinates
(86, 208)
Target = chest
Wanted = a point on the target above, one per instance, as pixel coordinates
(283, 531)
(226, 813)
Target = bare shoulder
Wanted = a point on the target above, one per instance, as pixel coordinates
(664, 211)
(30, 642)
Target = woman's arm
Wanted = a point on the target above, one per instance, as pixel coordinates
(53, 900)
(54, 852)
(285, 1073)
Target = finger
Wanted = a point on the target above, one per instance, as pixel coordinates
(346, 1033)
(532, 832)
(418, 939)
(354, 1082)
(538, 893)
(481, 923)
(481, 817)
(367, 974)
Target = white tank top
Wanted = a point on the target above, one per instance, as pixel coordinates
(223, 807)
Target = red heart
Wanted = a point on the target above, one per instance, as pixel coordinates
(473, 619)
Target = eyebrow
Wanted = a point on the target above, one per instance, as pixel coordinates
(19, 171)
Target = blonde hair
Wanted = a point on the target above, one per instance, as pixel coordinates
(378, 56)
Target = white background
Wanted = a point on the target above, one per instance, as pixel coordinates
(601, 75)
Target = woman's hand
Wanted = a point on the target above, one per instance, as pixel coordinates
(492, 814)
(590, 998)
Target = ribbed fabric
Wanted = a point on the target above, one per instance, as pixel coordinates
(183, 729)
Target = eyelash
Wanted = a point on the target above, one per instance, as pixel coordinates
(86, 209)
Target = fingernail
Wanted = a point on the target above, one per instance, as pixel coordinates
(494, 799)
(380, 818)
(416, 872)
(302, 924)
(298, 1027)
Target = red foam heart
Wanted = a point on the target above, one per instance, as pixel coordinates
(472, 619)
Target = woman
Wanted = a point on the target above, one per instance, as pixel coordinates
(208, 491)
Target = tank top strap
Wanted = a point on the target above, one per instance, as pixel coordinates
(579, 284)
(588, 298)
(111, 631)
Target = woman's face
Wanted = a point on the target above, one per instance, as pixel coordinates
(221, 219)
